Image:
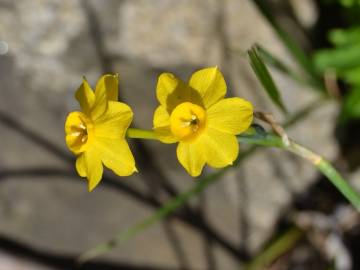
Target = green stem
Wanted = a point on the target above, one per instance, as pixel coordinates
(280, 246)
(255, 137)
(136, 133)
(319, 162)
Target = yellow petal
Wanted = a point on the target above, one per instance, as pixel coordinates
(191, 156)
(210, 84)
(110, 83)
(116, 155)
(85, 96)
(230, 115)
(100, 104)
(161, 117)
(114, 122)
(81, 165)
(171, 91)
(165, 135)
(220, 149)
(161, 123)
(93, 167)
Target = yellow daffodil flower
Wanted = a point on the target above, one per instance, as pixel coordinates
(200, 119)
(97, 134)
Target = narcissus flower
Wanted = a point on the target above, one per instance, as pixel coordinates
(97, 134)
(200, 119)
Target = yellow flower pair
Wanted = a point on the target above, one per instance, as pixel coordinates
(196, 115)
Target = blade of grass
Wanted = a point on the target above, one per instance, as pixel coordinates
(291, 45)
(265, 78)
(160, 214)
(276, 63)
(280, 246)
(163, 212)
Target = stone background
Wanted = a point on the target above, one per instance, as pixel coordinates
(45, 206)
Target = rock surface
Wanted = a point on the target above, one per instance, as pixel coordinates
(53, 43)
(14, 263)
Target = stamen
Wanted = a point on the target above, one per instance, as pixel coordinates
(84, 138)
(75, 134)
(82, 126)
(185, 123)
(192, 122)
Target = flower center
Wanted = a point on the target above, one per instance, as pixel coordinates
(78, 128)
(187, 121)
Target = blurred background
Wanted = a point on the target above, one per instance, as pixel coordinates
(47, 217)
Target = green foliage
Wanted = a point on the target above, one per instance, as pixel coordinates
(280, 246)
(351, 106)
(277, 63)
(344, 3)
(350, 3)
(340, 60)
(344, 59)
(265, 78)
(340, 37)
(299, 55)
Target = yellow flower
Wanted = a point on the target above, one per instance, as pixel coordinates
(97, 134)
(199, 117)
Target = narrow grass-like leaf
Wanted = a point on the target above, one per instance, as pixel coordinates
(275, 62)
(278, 247)
(265, 78)
(159, 215)
(291, 45)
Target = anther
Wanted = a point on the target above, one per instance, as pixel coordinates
(76, 133)
(82, 126)
(84, 138)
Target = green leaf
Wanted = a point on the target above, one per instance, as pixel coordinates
(349, 3)
(340, 59)
(345, 37)
(292, 46)
(351, 106)
(352, 76)
(275, 62)
(265, 78)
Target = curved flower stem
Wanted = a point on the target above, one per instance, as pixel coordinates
(270, 140)
(136, 133)
(255, 136)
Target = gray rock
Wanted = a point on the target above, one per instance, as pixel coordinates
(53, 43)
(8, 261)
